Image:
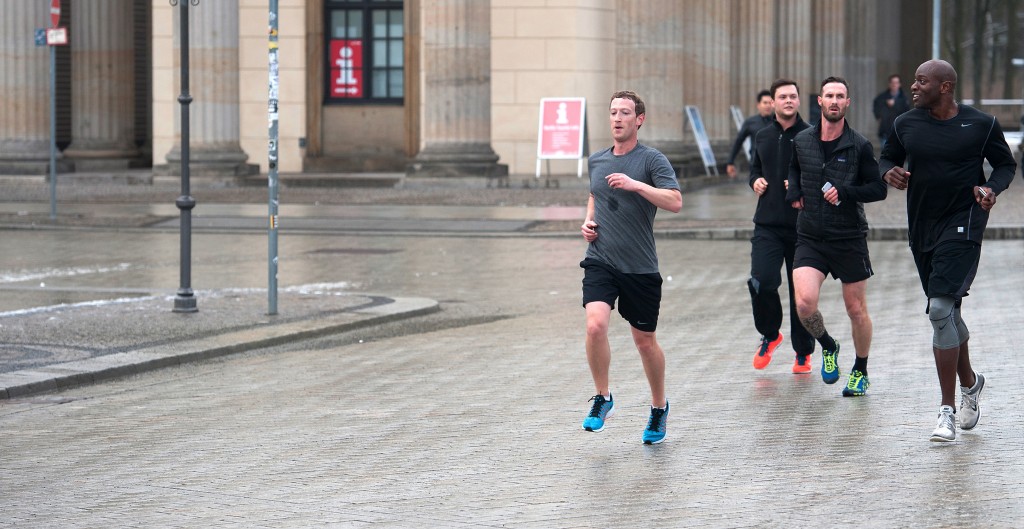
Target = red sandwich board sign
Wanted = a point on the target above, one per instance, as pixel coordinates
(561, 134)
(54, 13)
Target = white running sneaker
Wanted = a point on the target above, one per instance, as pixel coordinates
(969, 411)
(945, 431)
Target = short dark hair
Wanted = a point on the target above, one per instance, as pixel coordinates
(896, 75)
(764, 93)
(629, 94)
(835, 79)
(783, 82)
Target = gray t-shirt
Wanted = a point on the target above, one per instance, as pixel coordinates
(625, 220)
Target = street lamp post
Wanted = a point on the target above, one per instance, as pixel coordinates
(185, 300)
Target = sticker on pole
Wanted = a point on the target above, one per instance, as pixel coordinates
(57, 36)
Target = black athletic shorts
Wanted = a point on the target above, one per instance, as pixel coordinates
(639, 295)
(949, 269)
(846, 259)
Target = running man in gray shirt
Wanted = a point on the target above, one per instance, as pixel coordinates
(628, 183)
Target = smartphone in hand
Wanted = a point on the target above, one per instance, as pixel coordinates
(826, 187)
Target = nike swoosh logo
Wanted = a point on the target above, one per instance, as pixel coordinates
(966, 124)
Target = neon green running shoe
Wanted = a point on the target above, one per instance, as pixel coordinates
(858, 384)
(830, 365)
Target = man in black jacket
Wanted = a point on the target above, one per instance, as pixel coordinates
(887, 105)
(832, 174)
(749, 128)
(774, 240)
(945, 146)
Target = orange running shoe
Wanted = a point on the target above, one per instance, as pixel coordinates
(802, 364)
(763, 355)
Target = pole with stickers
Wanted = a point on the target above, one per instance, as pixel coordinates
(55, 36)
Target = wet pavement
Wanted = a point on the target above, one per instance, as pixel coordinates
(436, 378)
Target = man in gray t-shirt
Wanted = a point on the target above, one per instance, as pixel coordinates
(628, 183)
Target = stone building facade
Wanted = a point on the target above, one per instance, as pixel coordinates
(431, 87)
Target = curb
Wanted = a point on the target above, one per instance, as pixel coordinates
(69, 374)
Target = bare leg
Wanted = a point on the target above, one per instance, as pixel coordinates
(653, 358)
(855, 297)
(946, 361)
(963, 367)
(599, 351)
(807, 287)
(815, 324)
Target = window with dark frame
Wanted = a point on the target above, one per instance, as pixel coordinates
(365, 51)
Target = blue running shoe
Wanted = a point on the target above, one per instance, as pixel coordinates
(830, 365)
(601, 410)
(656, 426)
(857, 385)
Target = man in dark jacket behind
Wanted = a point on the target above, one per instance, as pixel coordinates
(749, 128)
(887, 105)
(774, 240)
(833, 172)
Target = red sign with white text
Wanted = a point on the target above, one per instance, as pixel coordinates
(346, 62)
(561, 128)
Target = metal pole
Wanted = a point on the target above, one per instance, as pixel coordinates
(936, 26)
(272, 175)
(185, 301)
(53, 132)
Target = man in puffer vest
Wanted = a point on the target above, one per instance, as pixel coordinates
(833, 172)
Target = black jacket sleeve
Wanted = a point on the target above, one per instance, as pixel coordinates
(870, 187)
(756, 169)
(998, 154)
(745, 131)
(878, 105)
(893, 155)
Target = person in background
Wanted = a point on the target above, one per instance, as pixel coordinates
(813, 109)
(890, 103)
(774, 242)
(751, 125)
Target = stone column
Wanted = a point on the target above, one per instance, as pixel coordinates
(24, 89)
(649, 55)
(752, 37)
(455, 95)
(214, 146)
(707, 72)
(858, 60)
(793, 45)
(102, 86)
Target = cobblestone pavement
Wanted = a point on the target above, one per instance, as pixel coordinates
(476, 422)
